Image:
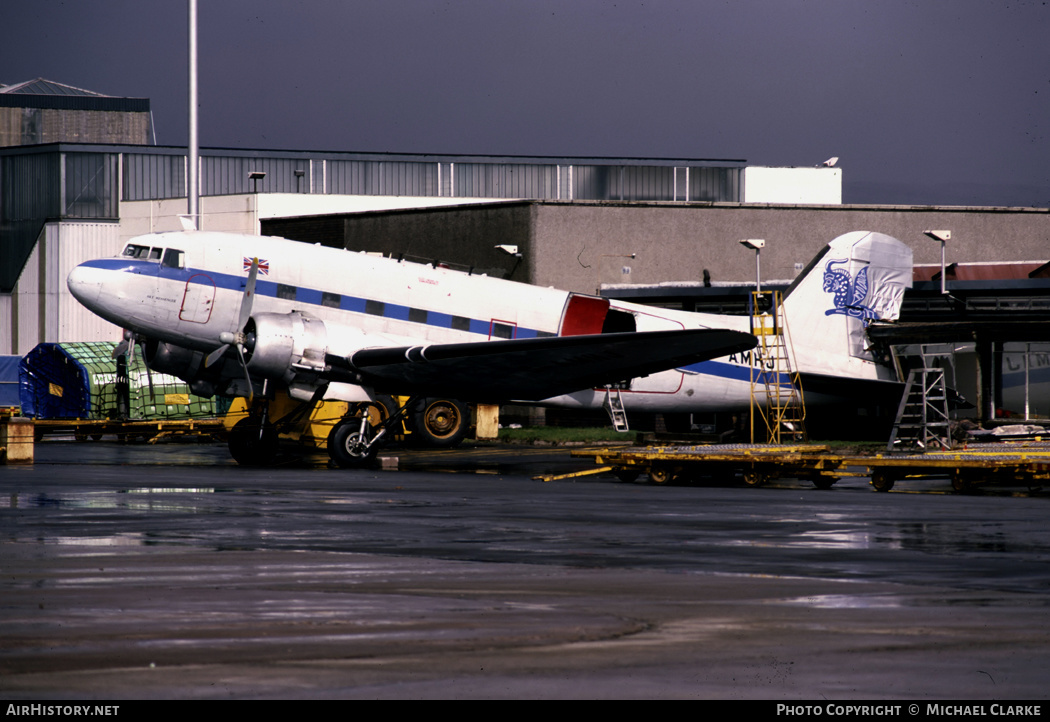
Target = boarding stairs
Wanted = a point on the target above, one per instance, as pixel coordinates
(613, 406)
(922, 417)
(778, 410)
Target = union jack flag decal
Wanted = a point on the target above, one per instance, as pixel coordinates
(264, 265)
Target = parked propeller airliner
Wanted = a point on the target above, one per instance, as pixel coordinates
(243, 315)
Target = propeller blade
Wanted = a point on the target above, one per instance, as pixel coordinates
(216, 355)
(149, 375)
(244, 365)
(249, 296)
(122, 347)
(236, 338)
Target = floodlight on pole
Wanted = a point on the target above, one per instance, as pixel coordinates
(756, 244)
(255, 176)
(941, 236)
(511, 250)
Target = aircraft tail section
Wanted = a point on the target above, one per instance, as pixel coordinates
(858, 277)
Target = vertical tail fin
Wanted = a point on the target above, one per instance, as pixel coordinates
(857, 278)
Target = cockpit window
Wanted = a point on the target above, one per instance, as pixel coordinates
(173, 258)
(146, 253)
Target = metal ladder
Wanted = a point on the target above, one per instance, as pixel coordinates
(613, 406)
(922, 417)
(776, 393)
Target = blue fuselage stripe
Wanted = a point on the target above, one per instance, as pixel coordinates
(309, 296)
(737, 372)
(354, 304)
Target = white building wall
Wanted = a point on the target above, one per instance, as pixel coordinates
(817, 186)
(41, 308)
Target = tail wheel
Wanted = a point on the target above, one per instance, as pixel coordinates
(442, 422)
(347, 443)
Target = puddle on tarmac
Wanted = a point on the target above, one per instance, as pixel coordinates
(843, 601)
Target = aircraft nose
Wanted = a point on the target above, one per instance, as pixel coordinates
(85, 283)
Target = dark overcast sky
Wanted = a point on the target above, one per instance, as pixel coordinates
(925, 101)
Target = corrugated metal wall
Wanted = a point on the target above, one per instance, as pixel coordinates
(505, 180)
(28, 195)
(85, 182)
(655, 183)
(153, 177)
(227, 175)
(90, 188)
(41, 307)
(382, 178)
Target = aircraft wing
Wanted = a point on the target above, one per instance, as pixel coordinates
(532, 369)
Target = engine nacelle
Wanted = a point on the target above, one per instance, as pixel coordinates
(178, 361)
(288, 346)
(185, 364)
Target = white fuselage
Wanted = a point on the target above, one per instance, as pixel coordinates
(186, 289)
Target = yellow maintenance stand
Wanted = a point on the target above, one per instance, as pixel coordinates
(778, 412)
(311, 429)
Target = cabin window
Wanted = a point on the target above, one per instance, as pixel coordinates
(330, 300)
(375, 308)
(460, 323)
(417, 315)
(285, 292)
(502, 330)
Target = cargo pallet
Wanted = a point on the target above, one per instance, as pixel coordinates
(151, 430)
(1017, 463)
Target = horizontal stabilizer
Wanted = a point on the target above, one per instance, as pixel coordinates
(533, 369)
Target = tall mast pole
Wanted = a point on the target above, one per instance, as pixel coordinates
(193, 162)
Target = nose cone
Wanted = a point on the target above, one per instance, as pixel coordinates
(85, 283)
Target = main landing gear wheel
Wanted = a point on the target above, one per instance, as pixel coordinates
(442, 422)
(348, 443)
(253, 442)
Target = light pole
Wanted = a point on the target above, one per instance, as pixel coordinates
(513, 252)
(756, 244)
(941, 236)
(193, 152)
(255, 176)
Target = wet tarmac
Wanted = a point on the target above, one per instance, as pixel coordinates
(167, 571)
